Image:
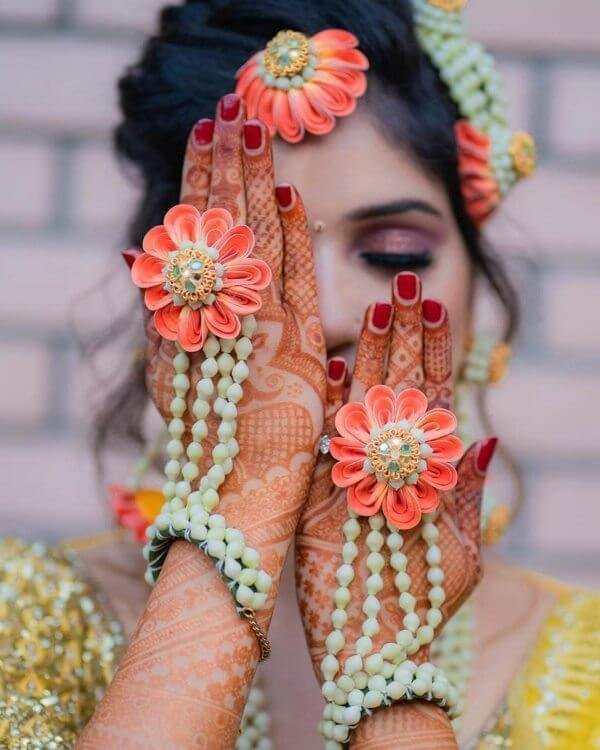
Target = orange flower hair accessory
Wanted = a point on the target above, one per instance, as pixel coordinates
(300, 84)
(199, 276)
(135, 509)
(394, 455)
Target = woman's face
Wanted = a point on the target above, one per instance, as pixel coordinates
(379, 214)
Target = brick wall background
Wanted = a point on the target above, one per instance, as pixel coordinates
(63, 203)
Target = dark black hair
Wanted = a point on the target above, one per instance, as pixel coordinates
(191, 62)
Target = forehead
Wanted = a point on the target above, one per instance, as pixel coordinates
(354, 166)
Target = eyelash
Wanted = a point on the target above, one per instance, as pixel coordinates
(398, 260)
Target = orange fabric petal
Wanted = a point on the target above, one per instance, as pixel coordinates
(158, 243)
(380, 401)
(334, 39)
(246, 75)
(182, 222)
(481, 192)
(156, 297)
(401, 508)
(437, 423)
(353, 82)
(427, 496)
(449, 448)
(343, 59)
(236, 243)
(352, 421)
(239, 300)
(166, 321)
(365, 498)
(347, 450)
(214, 224)
(147, 271)
(312, 114)
(264, 111)
(331, 98)
(221, 320)
(411, 404)
(251, 274)
(286, 116)
(191, 333)
(345, 475)
(439, 474)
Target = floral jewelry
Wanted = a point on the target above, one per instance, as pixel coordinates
(300, 84)
(203, 287)
(198, 275)
(393, 455)
(491, 158)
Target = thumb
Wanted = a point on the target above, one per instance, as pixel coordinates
(472, 472)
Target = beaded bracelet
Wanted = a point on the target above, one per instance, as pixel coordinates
(188, 262)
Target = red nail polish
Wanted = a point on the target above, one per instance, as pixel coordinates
(253, 135)
(336, 369)
(433, 311)
(130, 255)
(407, 284)
(230, 107)
(486, 452)
(203, 132)
(284, 195)
(382, 314)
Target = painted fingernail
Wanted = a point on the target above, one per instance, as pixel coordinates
(407, 285)
(203, 132)
(285, 195)
(433, 311)
(230, 107)
(130, 255)
(382, 314)
(336, 369)
(486, 453)
(253, 135)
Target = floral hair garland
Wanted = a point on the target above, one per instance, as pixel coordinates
(299, 84)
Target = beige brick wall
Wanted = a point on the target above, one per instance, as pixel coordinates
(63, 203)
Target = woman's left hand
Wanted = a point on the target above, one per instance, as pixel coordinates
(404, 345)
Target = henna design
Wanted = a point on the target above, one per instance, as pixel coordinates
(369, 367)
(437, 364)
(227, 188)
(319, 539)
(197, 167)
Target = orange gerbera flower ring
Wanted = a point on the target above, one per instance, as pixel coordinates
(300, 84)
(199, 276)
(393, 455)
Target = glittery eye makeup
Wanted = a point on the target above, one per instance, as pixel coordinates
(396, 248)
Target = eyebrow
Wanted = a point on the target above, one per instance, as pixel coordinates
(395, 207)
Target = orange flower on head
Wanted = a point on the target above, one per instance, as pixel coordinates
(198, 275)
(480, 190)
(135, 509)
(393, 455)
(300, 84)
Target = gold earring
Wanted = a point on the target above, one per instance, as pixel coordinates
(319, 226)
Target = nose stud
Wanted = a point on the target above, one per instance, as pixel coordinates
(319, 226)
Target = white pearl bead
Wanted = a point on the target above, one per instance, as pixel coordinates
(251, 558)
(244, 595)
(235, 549)
(190, 472)
(395, 690)
(220, 453)
(375, 541)
(263, 582)
(243, 348)
(351, 529)
(403, 675)
(407, 601)
(215, 475)
(179, 520)
(437, 596)
(394, 541)
(353, 664)
(183, 489)
(235, 393)
(181, 382)
(352, 714)
(216, 547)
(433, 555)
(360, 680)
(175, 504)
(176, 428)
(373, 664)
(217, 521)
(339, 618)
(162, 521)
(216, 533)
(195, 451)
(377, 682)
(172, 469)
(377, 521)
(375, 562)
(226, 363)
(233, 447)
(439, 688)
(435, 576)
(419, 687)
(200, 408)
(328, 689)
(177, 406)
(398, 561)
(199, 430)
(345, 575)
(434, 617)
(259, 600)
(329, 667)
(371, 606)
(229, 412)
(181, 362)
(404, 638)
(210, 499)
(341, 597)
(198, 531)
(355, 698)
(211, 346)
(364, 645)
(232, 568)
(349, 552)
(335, 642)
(373, 699)
(209, 368)
(370, 627)
(218, 405)
(205, 387)
(340, 733)
(430, 533)
(345, 683)
(223, 385)
(374, 583)
(391, 651)
(240, 372)
(411, 621)
(174, 448)
(402, 581)
(425, 634)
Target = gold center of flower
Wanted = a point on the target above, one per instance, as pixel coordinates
(394, 454)
(523, 153)
(191, 275)
(451, 6)
(286, 55)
